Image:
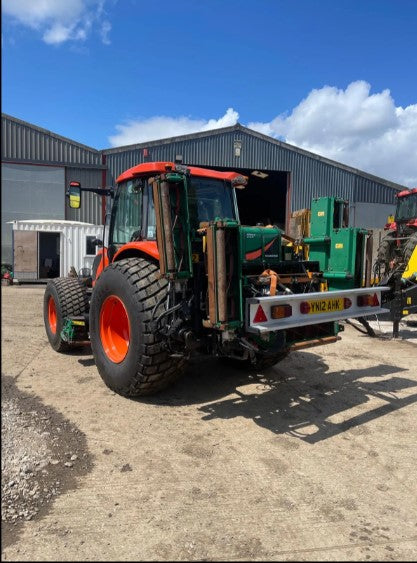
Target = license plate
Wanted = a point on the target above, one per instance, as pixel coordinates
(326, 306)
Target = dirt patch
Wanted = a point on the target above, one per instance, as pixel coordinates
(43, 454)
(225, 465)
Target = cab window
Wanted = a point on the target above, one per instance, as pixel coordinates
(127, 212)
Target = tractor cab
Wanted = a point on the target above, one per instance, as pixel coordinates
(196, 195)
(405, 212)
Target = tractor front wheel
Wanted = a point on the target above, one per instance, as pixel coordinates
(64, 297)
(129, 354)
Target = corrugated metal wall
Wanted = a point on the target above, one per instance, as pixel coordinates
(311, 176)
(90, 211)
(22, 141)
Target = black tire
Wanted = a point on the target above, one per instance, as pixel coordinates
(409, 247)
(386, 252)
(146, 367)
(69, 297)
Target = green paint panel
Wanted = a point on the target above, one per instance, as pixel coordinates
(321, 216)
(320, 252)
(325, 215)
(339, 251)
(343, 250)
(341, 268)
(260, 246)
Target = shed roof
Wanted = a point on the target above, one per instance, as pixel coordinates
(47, 132)
(240, 128)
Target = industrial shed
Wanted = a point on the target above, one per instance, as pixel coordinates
(36, 165)
(283, 178)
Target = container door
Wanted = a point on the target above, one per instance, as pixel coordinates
(25, 255)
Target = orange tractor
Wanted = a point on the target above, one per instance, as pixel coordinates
(178, 274)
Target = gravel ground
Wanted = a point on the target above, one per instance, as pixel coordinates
(42, 453)
(314, 459)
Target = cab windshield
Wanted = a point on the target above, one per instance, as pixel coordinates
(209, 198)
(133, 214)
(406, 208)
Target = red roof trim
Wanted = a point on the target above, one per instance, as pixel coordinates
(160, 167)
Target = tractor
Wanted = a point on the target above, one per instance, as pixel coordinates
(397, 246)
(179, 276)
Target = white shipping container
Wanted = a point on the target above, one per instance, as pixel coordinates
(49, 248)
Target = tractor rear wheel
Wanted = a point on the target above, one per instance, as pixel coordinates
(386, 252)
(409, 247)
(64, 297)
(129, 355)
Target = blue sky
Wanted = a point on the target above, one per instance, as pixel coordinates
(335, 77)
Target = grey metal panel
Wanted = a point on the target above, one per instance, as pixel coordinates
(90, 211)
(311, 175)
(24, 141)
(370, 215)
(29, 192)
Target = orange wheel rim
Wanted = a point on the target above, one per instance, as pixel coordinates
(52, 315)
(114, 329)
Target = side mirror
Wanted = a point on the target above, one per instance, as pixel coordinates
(74, 195)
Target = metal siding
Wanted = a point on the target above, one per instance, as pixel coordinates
(311, 177)
(370, 215)
(90, 211)
(22, 141)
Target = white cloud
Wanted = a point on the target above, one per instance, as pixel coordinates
(59, 20)
(352, 126)
(161, 127)
(104, 32)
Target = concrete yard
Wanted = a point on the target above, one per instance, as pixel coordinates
(315, 459)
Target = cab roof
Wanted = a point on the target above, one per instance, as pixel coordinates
(407, 192)
(161, 167)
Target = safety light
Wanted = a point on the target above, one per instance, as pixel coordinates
(368, 300)
(347, 303)
(305, 307)
(260, 316)
(281, 311)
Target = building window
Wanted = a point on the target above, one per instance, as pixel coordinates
(90, 244)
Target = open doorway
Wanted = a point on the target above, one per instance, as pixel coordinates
(49, 255)
(264, 200)
(266, 197)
